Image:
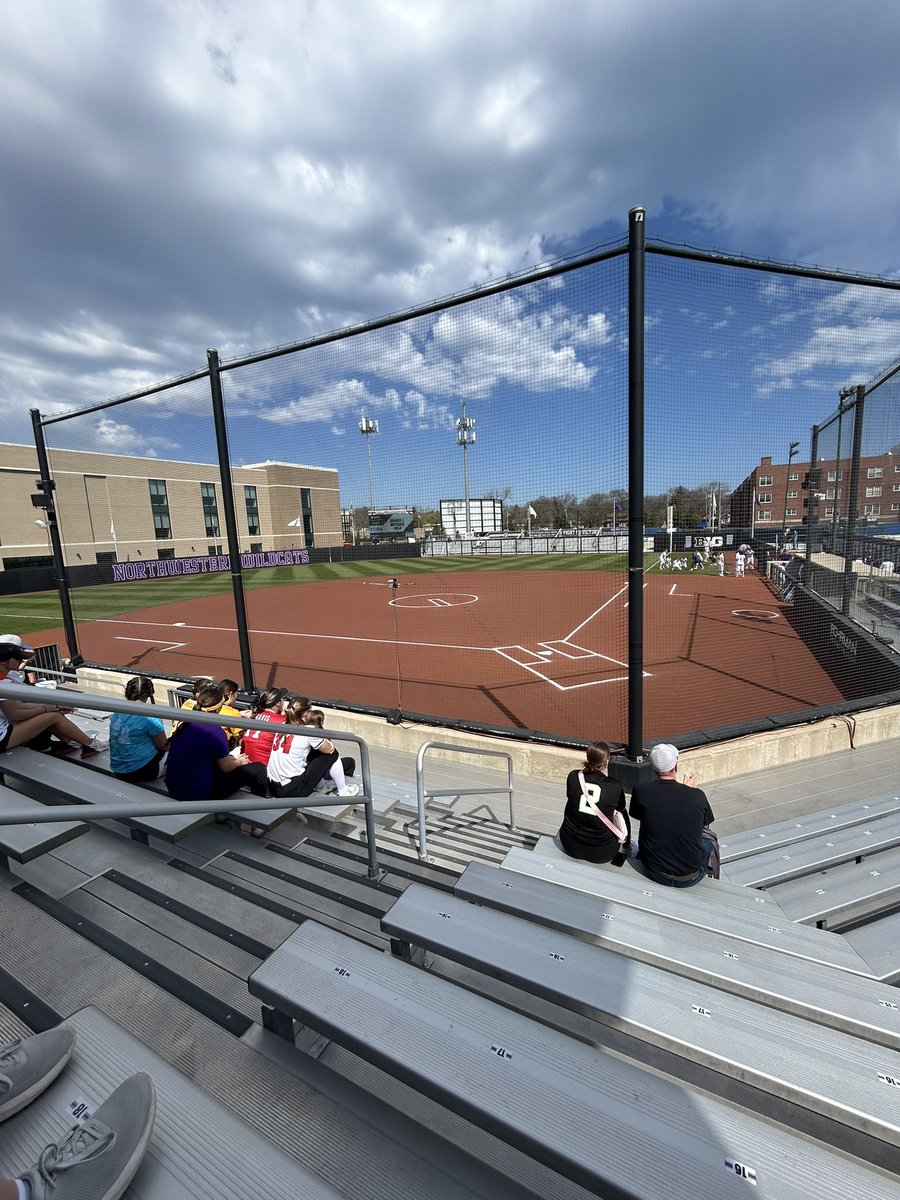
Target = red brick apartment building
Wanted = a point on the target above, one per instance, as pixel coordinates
(779, 493)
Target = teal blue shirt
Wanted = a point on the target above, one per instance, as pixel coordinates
(131, 741)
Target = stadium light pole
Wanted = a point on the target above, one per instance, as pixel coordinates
(367, 427)
(465, 437)
(793, 451)
(46, 529)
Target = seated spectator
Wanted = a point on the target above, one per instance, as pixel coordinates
(583, 834)
(269, 706)
(294, 770)
(44, 740)
(137, 743)
(230, 690)
(199, 765)
(20, 721)
(671, 847)
(96, 1159)
(315, 716)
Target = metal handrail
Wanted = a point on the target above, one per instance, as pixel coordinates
(70, 698)
(422, 794)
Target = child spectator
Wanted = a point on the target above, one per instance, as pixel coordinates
(137, 743)
(293, 770)
(257, 743)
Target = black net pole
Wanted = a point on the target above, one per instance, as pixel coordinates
(234, 549)
(47, 487)
(636, 248)
(852, 498)
(812, 503)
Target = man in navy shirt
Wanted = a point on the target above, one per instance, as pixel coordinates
(671, 847)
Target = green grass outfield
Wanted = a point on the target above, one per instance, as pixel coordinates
(41, 610)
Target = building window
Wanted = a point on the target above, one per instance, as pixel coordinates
(165, 554)
(765, 481)
(793, 475)
(872, 510)
(212, 551)
(252, 505)
(159, 506)
(23, 564)
(256, 547)
(765, 515)
(829, 512)
(106, 556)
(210, 509)
(875, 472)
(873, 491)
(830, 494)
(790, 512)
(895, 508)
(896, 487)
(306, 514)
(792, 495)
(834, 476)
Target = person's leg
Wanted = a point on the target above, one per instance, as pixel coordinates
(252, 776)
(65, 730)
(145, 774)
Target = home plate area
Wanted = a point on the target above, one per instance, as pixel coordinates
(565, 665)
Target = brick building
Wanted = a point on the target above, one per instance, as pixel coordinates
(778, 491)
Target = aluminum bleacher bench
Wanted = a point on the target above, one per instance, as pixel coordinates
(727, 894)
(66, 783)
(816, 853)
(27, 842)
(762, 928)
(826, 1070)
(197, 1149)
(784, 833)
(845, 893)
(879, 944)
(608, 1125)
(260, 821)
(861, 1007)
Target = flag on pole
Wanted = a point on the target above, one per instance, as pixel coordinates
(531, 511)
(112, 529)
(617, 505)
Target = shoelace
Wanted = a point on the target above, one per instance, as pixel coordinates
(80, 1145)
(9, 1054)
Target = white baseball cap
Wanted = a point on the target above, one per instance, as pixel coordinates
(13, 639)
(663, 758)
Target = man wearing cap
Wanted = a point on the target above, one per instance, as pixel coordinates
(21, 721)
(671, 847)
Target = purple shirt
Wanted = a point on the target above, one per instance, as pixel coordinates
(191, 767)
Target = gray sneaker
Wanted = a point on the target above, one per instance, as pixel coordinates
(98, 1160)
(29, 1065)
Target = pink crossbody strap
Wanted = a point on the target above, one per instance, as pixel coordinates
(614, 829)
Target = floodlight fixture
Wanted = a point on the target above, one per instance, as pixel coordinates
(465, 437)
(368, 427)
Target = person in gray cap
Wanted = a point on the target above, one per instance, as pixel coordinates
(671, 847)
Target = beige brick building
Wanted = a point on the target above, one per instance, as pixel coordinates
(123, 508)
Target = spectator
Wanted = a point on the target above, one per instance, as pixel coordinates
(671, 847)
(269, 706)
(199, 765)
(294, 771)
(20, 721)
(230, 691)
(95, 1160)
(583, 834)
(137, 743)
(44, 740)
(315, 716)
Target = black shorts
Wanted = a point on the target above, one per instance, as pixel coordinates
(4, 741)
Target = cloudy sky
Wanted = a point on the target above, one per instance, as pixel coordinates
(183, 175)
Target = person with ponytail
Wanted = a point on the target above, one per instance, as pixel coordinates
(299, 763)
(137, 743)
(592, 796)
(257, 743)
(200, 767)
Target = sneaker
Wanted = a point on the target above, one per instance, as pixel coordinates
(29, 1065)
(352, 789)
(97, 746)
(99, 1158)
(325, 787)
(60, 749)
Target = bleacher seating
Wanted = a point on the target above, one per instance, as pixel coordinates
(24, 843)
(607, 1125)
(785, 833)
(766, 926)
(197, 1149)
(843, 894)
(758, 973)
(878, 942)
